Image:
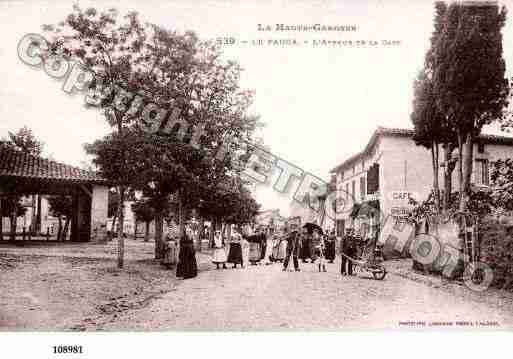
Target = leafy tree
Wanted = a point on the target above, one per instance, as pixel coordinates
(502, 183)
(61, 206)
(468, 77)
(115, 51)
(172, 71)
(427, 123)
(11, 207)
(24, 140)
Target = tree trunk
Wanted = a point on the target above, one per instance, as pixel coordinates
(59, 229)
(434, 162)
(121, 215)
(468, 157)
(147, 232)
(13, 220)
(460, 168)
(1, 221)
(201, 232)
(113, 228)
(229, 232)
(181, 219)
(38, 217)
(213, 228)
(65, 231)
(33, 217)
(159, 241)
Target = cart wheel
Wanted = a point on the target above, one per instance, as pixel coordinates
(379, 275)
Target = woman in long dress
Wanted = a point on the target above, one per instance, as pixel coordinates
(219, 256)
(235, 253)
(279, 248)
(330, 246)
(255, 248)
(268, 248)
(187, 266)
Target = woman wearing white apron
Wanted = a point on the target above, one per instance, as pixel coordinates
(268, 248)
(219, 256)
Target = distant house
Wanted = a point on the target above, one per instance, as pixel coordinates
(270, 217)
(391, 168)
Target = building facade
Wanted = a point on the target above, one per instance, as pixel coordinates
(391, 169)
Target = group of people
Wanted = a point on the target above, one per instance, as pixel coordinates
(315, 247)
(242, 249)
(296, 244)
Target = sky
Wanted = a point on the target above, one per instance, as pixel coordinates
(320, 104)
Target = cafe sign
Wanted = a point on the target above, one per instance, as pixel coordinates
(400, 203)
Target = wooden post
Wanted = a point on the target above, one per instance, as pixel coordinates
(47, 233)
(1, 221)
(23, 234)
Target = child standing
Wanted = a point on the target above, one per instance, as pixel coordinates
(322, 254)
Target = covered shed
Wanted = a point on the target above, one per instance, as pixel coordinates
(25, 174)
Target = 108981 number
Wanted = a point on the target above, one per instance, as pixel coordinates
(67, 349)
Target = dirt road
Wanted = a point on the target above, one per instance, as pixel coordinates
(78, 287)
(265, 298)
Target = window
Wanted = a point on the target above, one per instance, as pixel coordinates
(353, 189)
(480, 148)
(340, 227)
(362, 188)
(373, 179)
(481, 173)
(347, 190)
(354, 169)
(341, 175)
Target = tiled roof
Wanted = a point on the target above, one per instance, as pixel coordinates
(15, 163)
(405, 132)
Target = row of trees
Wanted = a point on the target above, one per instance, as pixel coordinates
(461, 88)
(171, 71)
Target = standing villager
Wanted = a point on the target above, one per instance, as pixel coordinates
(315, 245)
(235, 253)
(219, 256)
(255, 248)
(268, 248)
(187, 266)
(293, 248)
(346, 266)
(321, 255)
(245, 251)
(330, 242)
(263, 244)
(170, 252)
(306, 241)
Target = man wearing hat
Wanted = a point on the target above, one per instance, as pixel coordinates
(293, 247)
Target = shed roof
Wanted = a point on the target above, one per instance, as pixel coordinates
(18, 164)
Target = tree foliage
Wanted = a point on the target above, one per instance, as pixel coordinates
(198, 105)
(461, 89)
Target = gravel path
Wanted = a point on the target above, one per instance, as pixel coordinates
(265, 298)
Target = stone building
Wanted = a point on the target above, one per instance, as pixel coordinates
(391, 168)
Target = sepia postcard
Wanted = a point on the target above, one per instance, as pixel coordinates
(255, 166)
